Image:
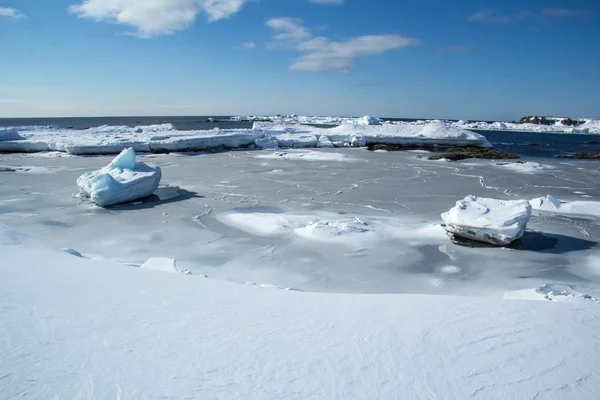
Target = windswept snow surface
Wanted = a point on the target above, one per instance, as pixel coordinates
(550, 204)
(165, 138)
(498, 222)
(121, 181)
(78, 328)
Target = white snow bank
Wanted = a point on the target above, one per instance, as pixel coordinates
(551, 204)
(528, 167)
(164, 265)
(326, 228)
(498, 222)
(308, 155)
(368, 120)
(123, 180)
(73, 328)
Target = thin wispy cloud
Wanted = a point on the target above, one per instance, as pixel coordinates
(10, 12)
(246, 45)
(321, 54)
(565, 13)
(458, 48)
(493, 16)
(327, 2)
(156, 17)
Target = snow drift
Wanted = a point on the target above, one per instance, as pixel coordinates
(123, 180)
(498, 222)
(78, 328)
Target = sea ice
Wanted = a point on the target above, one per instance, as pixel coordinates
(368, 120)
(551, 204)
(10, 134)
(123, 180)
(498, 222)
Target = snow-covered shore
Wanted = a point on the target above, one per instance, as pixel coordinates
(79, 328)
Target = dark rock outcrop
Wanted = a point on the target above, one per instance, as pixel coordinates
(536, 120)
(580, 156)
(464, 153)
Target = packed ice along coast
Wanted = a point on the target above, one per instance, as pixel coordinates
(121, 181)
(166, 138)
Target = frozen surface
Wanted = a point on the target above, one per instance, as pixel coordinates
(78, 328)
(307, 155)
(550, 204)
(166, 138)
(400, 246)
(494, 221)
(164, 265)
(121, 181)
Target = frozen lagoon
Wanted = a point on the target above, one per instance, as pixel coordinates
(327, 220)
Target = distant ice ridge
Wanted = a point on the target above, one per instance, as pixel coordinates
(436, 133)
(592, 126)
(121, 181)
(497, 222)
(165, 138)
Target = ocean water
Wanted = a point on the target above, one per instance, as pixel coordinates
(527, 144)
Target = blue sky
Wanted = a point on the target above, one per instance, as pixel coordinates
(429, 59)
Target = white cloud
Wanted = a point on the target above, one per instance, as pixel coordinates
(327, 2)
(156, 17)
(288, 29)
(322, 54)
(10, 12)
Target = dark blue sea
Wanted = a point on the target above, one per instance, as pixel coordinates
(528, 144)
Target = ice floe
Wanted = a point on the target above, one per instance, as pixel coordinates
(550, 204)
(123, 180)
(498, 222)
